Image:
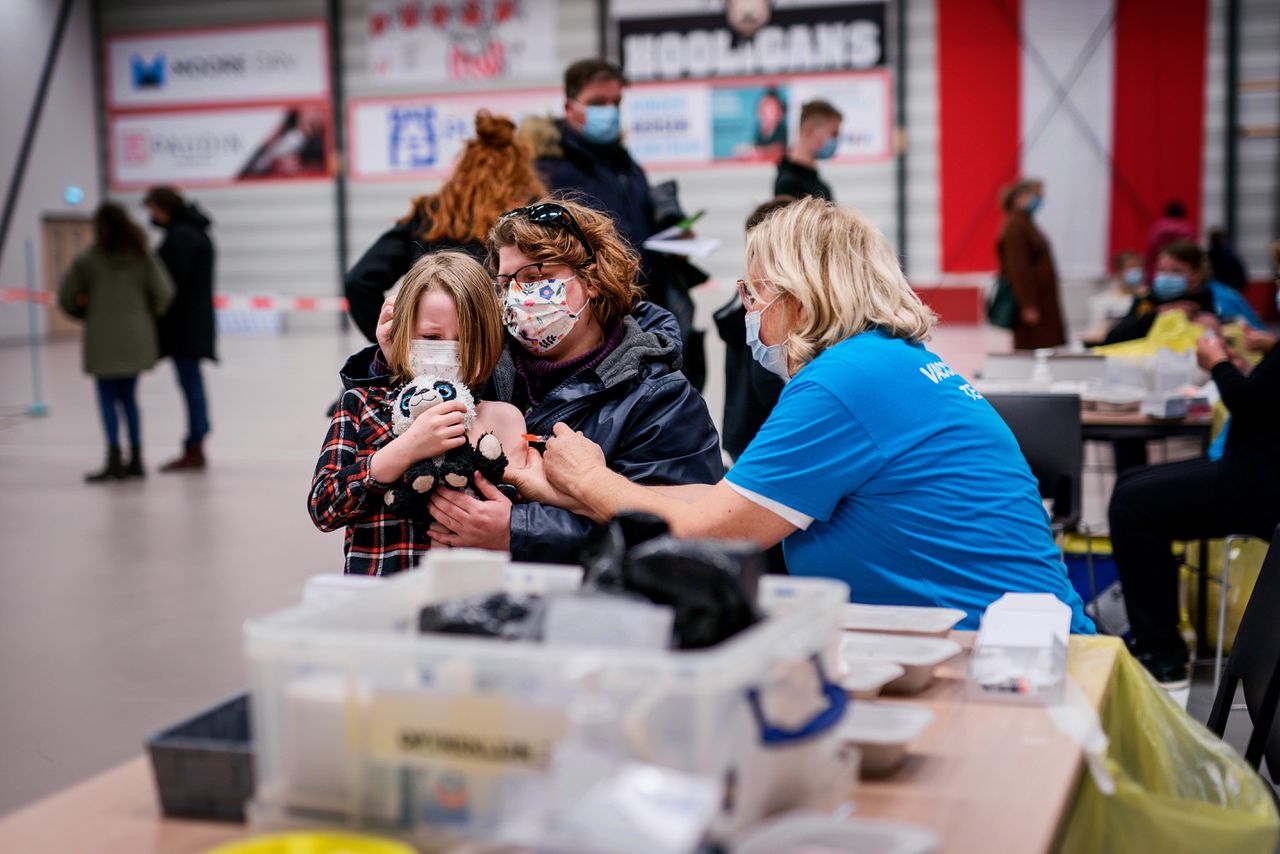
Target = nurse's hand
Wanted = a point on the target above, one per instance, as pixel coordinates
(571, 460)
(531, 480)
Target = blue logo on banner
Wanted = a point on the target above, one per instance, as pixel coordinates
(147, 75)
(412, 138)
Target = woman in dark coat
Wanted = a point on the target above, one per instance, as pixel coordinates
(1027, 262)
(118, 289)
(187, 331)
(494, 174)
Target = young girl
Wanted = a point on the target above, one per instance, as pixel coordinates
(446, 297)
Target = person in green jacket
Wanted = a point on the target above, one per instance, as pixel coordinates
(118, 289)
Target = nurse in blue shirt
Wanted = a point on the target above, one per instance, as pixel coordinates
(880, 465)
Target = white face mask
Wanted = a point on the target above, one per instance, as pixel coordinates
(538, 314)
(438, 358)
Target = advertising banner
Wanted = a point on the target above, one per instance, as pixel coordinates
(266, 63)
(749, 37)
(446, 41)
(684, 125)
(219, 146)
(421, 136)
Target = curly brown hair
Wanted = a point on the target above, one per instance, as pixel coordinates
(614, 272)
(494, 174)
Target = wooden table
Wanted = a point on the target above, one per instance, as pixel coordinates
(986, 778)
(1104, 426)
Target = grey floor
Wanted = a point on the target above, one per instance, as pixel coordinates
(121, 606)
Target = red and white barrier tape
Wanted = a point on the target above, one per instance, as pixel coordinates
(236, 302)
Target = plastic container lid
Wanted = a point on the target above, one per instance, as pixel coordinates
(809, 832)
(884, 723)
(864, 677)
(315, 843)
(899, 619)
(906, 650)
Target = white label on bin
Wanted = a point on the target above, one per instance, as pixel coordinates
(468, 732)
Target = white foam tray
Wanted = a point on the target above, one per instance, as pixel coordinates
(900, 619)
(917, 655)
(882, 732)
(864, 678)
(802, 831)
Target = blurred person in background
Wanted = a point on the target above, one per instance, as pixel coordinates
(118, 289)
(816, 140)
(1225, 263)
(1153, 506)
(1109, 306)
(187, 330)
(1173, 227)
(495, 173)
(1026, 260)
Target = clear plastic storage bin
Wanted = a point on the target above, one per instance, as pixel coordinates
(362, 721)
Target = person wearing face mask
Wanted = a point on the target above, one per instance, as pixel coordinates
(1154, 506)
(879, 466)
(187, 331)
(580, 348)
(1106, 308)
(1181, 283)
(817, 140)
(583, 154)
(1026, 261)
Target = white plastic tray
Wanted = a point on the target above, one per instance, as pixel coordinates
(864, 678)
(918, 656)
(881, 732)
(807, 832)
(900, 619)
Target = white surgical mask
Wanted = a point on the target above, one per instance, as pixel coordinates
(538, 314)
(438, 358)
(772, 357)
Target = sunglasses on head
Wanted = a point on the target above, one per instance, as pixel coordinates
(550, 213)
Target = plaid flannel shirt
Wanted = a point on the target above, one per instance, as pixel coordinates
(344, 493)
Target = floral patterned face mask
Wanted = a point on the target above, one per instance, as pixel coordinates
(537, 314)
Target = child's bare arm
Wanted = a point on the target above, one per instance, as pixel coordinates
(504, 421)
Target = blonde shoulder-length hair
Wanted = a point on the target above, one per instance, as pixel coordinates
(468, 285)
(839, 269)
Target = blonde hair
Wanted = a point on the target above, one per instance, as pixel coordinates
(839, 269)
(467, 283)
(613, 273)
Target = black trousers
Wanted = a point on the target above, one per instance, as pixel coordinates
(1150, 508)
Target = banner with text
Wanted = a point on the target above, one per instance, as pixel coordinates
(671, 125)
(219, 146)
(750, 37)
(445, 41)
(421, 136)
(267, 63)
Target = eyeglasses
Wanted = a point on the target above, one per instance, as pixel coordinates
(550, 213)
(527, 275)
(749, 300)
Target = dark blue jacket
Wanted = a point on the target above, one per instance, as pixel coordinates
(607, 176)
(652, 424)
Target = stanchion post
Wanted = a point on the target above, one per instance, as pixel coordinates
(38, 407)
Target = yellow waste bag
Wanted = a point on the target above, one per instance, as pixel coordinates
(1179, 789)
(1246, 563)
(1171, 331)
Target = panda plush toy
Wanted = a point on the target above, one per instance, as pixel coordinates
(455, 468)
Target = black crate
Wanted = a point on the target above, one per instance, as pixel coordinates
(204, 766)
